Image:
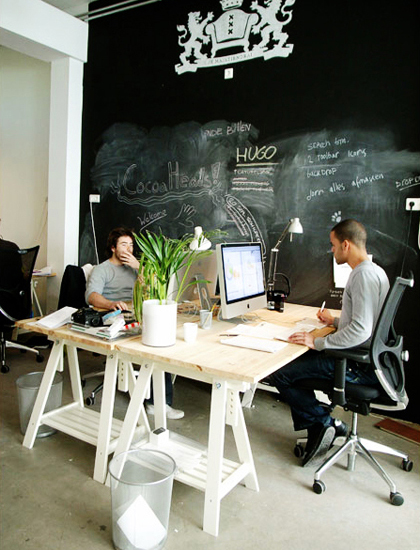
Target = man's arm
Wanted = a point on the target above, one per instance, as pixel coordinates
(99, 301)
(358, 327)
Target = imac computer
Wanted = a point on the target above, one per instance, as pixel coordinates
(204, 269)
(240, 270)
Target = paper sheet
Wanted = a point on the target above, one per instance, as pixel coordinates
(259, 344)
(58, 318)
(141, 526)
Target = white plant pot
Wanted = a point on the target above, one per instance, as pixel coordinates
(159, 323)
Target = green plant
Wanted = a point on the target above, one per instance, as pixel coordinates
(160, 260)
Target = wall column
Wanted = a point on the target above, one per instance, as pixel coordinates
(64, 169)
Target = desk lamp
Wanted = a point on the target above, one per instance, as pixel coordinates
(199, 242)
(274, 299)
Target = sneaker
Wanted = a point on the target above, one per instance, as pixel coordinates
(319, 442)
(172, 414)
(341, 428)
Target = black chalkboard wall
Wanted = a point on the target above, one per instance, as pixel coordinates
(329, 132)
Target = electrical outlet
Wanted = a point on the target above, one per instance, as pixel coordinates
(228, 73)
(412, 204)
(94, 198)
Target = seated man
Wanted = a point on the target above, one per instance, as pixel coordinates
(363, 298)
(111, 283)
(110, 286)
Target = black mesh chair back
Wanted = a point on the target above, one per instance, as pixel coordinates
(16, 268)
(386, 352)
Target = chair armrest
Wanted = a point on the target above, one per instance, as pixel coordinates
(341, 355)
(357, 354)
(3, 312)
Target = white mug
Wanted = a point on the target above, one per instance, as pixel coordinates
(190, 332)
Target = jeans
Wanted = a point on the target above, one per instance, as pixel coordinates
(305, 408)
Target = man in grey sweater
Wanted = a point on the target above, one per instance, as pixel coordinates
(110, 286)
(111, 283)
(363, 298)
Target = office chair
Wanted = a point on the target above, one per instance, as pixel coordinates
(72, 293)
(16, 267)
(386, 356)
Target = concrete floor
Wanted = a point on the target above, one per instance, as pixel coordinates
(49, 500)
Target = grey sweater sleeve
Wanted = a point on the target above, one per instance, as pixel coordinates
(362, 301)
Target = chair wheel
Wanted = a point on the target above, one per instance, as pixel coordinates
(407, 465)
(298, 450)
(39, 358)
(396, 499)
(5, 368)
(90, 401)
(319, 487)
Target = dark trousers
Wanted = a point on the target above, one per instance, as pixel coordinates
(305, 408)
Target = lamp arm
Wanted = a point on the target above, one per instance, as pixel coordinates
(272, 267)
(282, 236)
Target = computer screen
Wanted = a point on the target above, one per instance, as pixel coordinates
(240, 268)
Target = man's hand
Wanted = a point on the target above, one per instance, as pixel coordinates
(128, 259)
(325, 317)
(119, 305)
(302, 338)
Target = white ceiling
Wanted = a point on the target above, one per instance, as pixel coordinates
(74, 7)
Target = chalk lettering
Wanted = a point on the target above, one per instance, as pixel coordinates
(407, 182)
(238, 127)
(340, 141)
(358, 182)
(316, 173)
(319, 145)
(328, 155)
(213, 132)
(359, 153)
(256, 153)
(337, 187)
(150, 217)
(316, 193)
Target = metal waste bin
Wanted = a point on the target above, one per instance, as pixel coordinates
(141, 492)
(27, 388)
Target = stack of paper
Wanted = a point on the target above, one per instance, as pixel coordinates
(58, 318)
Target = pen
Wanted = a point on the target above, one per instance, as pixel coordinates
(322, 307)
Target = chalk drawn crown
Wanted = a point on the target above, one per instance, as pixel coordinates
(230, 4)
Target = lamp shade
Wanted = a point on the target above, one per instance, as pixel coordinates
(295, 226)
(199, 242)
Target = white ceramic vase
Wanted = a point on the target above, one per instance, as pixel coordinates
(159, 323)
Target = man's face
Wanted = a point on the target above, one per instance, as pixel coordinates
(124, 245)
(338, 249)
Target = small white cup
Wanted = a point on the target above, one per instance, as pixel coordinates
(190, 332)
(206, 317)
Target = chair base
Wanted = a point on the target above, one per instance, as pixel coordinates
(354, 446)
(8, 344)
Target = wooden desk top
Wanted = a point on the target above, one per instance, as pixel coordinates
(66, 333)
(207, 355)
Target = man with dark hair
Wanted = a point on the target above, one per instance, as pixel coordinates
(363, 298)
(111, 283)
(110, 286)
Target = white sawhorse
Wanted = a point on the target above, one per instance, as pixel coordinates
(214, 474)
(97, 428)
